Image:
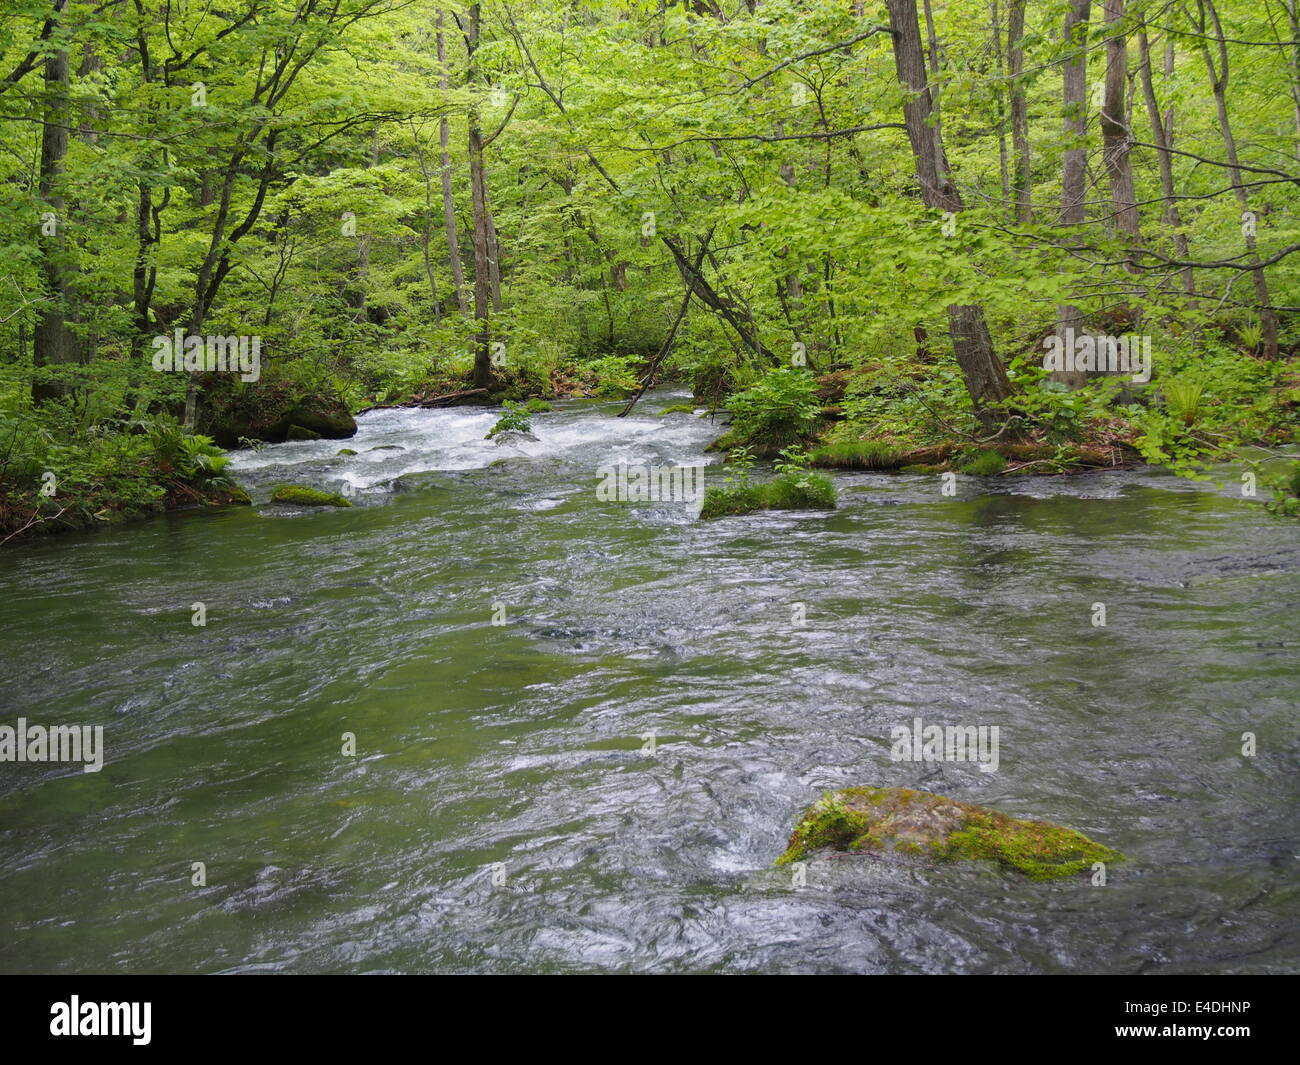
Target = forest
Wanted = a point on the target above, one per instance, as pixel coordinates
(857, 229)
(575, 485)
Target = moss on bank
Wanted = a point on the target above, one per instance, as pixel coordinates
(869, 819)
(92, 508)
(994, 459)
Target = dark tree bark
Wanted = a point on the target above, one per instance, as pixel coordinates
(1075, 158)
(1022, 178)
(481, 234)
(1162, 133)
(1114, 127)
(54, 342)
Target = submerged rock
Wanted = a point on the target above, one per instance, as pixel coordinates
(511, 436)
(299, 495)
(920, 823)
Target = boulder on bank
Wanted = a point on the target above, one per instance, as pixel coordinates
(900, 820)
(273, 412)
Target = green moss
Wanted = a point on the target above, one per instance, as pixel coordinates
(297, 432)
(345, 451)
(919, 822)
(920, 468)
(678, 408)
(790, 491)
(979, 463)
(301, 496)
(537, 406)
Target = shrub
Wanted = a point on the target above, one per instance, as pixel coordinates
(780, 409)
(514, 419)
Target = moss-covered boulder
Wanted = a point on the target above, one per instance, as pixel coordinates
(345, 451)
(269, 410)
(299, 495)
(327, 417)
(901, 820)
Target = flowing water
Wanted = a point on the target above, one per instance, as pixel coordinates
(602, 782)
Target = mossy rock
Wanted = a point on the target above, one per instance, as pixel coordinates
(326, 417)
(345, 451)
(901, 820)
(510, 436)
(537, 406)
(299, 495)
(268, 410)
(725, 442)
(233, 495)
(297, 432)
(678, 408)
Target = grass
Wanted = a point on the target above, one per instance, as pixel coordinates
(790, 491)
(856, 455)
(981, 463)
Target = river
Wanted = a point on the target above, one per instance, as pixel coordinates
(601, 782)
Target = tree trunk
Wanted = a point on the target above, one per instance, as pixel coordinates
(1022, 181)
(986, 379)
(1219, 86)
(448, 202)
(1162, 130)
(1114, 128)
(1075, 159)
(54, 343)
(1004, 169)
(478, 189)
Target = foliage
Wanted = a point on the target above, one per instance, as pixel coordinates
(778, 410)
(794, 488)
(514, 419)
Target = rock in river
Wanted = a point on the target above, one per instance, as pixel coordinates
(867, 819)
